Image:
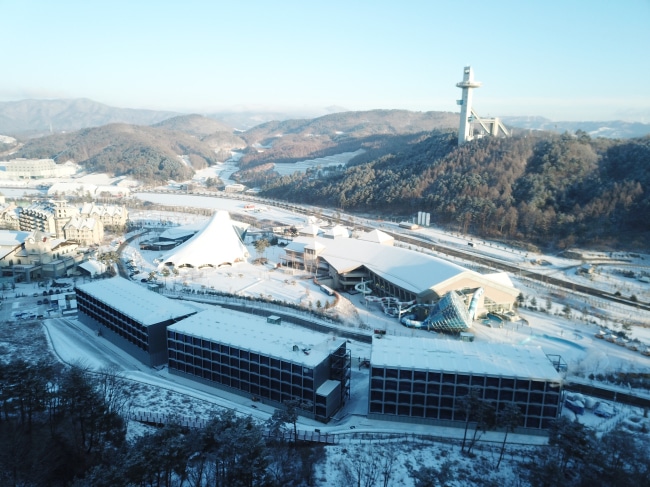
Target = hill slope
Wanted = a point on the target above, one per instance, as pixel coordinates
(374, 130)
(145, 153)
(550, 189)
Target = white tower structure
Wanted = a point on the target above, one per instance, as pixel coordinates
(469, 120)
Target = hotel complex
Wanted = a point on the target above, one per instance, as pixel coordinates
(262, 358)
(411, 378)
(426, 379)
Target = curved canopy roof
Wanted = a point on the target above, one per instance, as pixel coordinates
(217, 244)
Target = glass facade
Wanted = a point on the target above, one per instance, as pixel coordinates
(124, 326)
(437, 395)
(248, 371)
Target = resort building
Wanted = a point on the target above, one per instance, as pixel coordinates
(427, 380)
(376, 267)
(130, 316)
(262, 358)
(28, 256)
(84, 226)
(35, 169)
(111, 216)
(218, 243)
(84, 231)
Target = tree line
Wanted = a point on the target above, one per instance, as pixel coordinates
(549, 189)
(66, 426)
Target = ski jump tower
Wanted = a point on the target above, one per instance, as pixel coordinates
(469, 120)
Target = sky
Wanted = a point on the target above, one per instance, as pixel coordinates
(561, 59)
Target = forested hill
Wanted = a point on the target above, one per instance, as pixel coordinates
(373, 130)
(144, 153)
(553, 190)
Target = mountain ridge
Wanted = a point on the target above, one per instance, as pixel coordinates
(32, 117)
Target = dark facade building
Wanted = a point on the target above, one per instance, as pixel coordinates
(130, 316)
(265, 360)
(426, 380)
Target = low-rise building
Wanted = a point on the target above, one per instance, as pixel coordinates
(427, 380)
(268, 361)
(130, 316)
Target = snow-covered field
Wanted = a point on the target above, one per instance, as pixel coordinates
(560, 322)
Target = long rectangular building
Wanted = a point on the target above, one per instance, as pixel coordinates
(263, 359)
(425, 380)
(130, 316)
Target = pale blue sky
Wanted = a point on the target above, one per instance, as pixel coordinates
(561, 59)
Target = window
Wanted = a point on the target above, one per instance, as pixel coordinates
(391, 373)
(406, 375)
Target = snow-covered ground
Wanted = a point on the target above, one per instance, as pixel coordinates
(570, 334)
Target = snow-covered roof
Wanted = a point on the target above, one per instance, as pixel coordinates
(174, 233)
(499, 278)
(410, 270)
(12, 238)
(337, 231)
(80, 223)
(144, 306)
(327, 387)
(377, 236)
(218, 243)
(251, 332)
(93, 266)
(312, 230)
(492, 359)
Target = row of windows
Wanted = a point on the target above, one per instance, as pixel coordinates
(108, 313)
(464, 379)
(434, 398)
(234, 356)
(387, 288)
(528, 421)
(549, 410)
(273, 390)
(128, 333)
(379, 386)
(255, 370)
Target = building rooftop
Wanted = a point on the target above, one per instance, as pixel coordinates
(411, 270)
(491, 359)
(253, 333)
(136, 302)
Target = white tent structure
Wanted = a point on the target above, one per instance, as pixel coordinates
(217, 244)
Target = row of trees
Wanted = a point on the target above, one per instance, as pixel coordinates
(65, 426)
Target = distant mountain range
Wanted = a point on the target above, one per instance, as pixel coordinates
(33, 118)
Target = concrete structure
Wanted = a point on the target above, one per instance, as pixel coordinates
(35, 169)
(395, 272)
(47, 216)
(130, 316)
(85, 231)
(469, 120)
(10, 217)
(85, 225)
(27, 256)
(111, 216)
(268, 361)
(426, 380)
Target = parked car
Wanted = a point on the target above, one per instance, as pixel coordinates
(604, 410)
